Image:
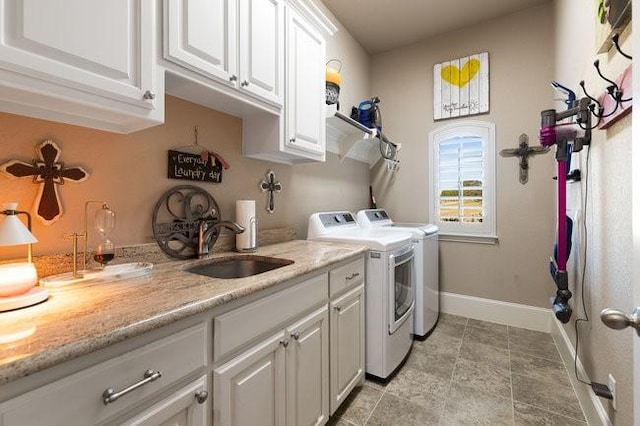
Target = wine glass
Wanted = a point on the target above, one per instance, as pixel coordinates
(105, 252)
(105, 223)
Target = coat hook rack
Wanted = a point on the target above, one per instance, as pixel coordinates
(602, 108)
(613, 90)
(596, 103)
(615, 38)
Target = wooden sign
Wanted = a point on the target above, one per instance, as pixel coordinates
(461, 87)
(195, 167)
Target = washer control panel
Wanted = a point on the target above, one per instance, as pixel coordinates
(330, 220)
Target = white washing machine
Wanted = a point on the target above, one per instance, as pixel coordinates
(425, 237)
(389, 287)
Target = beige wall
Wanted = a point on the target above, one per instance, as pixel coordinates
(130, 172)
(521, 61)
(608, 278)
(355, 71)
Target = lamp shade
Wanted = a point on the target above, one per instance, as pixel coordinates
(12, 230)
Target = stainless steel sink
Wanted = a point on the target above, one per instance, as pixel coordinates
(239, 266)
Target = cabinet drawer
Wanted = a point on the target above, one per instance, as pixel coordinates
(78, 399)
(235, 328)
(346, 276)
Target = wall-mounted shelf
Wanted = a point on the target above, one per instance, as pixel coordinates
(351, 139)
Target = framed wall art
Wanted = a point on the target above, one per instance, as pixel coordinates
(461, 87)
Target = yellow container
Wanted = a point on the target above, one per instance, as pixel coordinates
(333, 82)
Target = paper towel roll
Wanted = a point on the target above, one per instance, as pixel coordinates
(246, 217)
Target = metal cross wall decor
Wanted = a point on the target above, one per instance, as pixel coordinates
(524, 151)
(270, 185)
(47, 172)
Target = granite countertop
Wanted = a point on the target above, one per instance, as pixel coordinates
(82, 318)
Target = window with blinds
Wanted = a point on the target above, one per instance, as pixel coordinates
(462, 161)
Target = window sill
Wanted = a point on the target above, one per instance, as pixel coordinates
(466, 238)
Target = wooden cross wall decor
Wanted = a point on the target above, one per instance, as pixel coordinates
(47, 172)
(271, 185)
(524, 151)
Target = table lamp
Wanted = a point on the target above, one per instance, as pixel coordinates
(18, 280)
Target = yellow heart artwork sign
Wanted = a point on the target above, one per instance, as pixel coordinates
(460, 77)
(461, 86)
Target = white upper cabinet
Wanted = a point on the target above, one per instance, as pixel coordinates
(238, 47)
(199, 35)
(305, 121)
(262, 48)
(297, 135)
(85, 62)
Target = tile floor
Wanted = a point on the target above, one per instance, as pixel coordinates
(471, 372)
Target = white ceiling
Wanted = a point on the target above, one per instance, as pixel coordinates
(381, 25)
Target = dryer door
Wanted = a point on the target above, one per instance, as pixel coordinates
(401, 281)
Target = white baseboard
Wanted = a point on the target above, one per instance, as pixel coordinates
(513, 314)
(591, 404)
(532, 318)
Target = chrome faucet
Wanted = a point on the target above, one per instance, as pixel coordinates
(205, 232)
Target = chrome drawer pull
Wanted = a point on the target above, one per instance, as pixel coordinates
(352, 276)
(296, 335)
(110, 395)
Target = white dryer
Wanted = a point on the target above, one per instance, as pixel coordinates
(425, 237)
(389, 287)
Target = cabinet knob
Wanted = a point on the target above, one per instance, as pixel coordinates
(148, 95)
(233, 78)
(337, 308)
(292, 140)
(244, 83)
(202, 396)
(296, 335)
(284, 342)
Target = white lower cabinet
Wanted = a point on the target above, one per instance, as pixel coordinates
(307, 358)
(289, 357)
(114, 387)
(347, 344)
(283, 379)
(185, 407)
(250, 389)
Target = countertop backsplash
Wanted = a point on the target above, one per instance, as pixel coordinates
(150, 252)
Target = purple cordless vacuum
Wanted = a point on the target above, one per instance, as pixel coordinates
(567, 140)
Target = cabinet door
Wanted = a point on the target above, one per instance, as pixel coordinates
(103, 48)
(249, 390)
(201, 35)
(262, 48)
(78, 399)
(305, 124)
(308, 370)
(347, 344)
(186, 407)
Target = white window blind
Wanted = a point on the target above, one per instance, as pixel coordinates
(463, 178)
